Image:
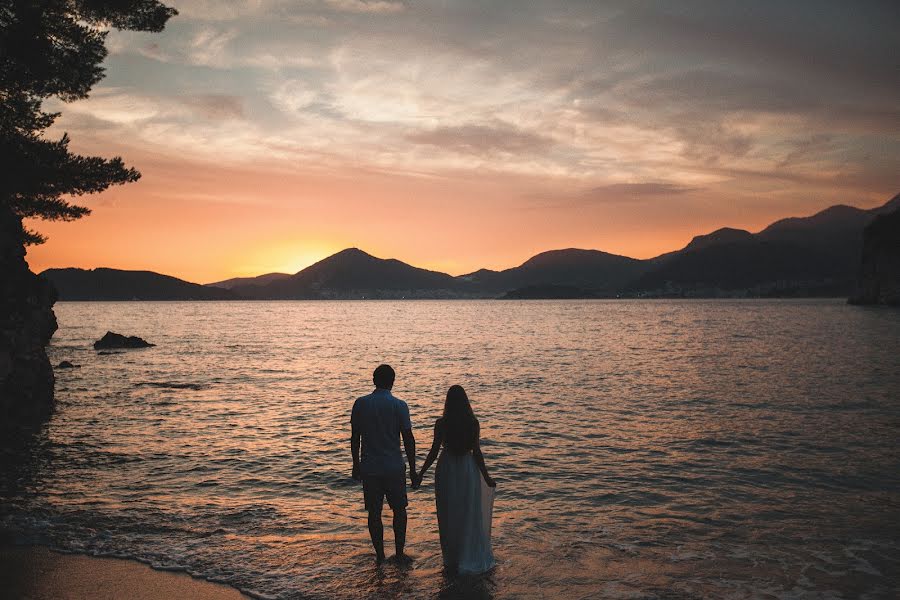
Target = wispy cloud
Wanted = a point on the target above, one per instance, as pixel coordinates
(293, 96)
(627, 100)
(367, 6)
(209, 45)
(639, 190)
(216, 106)
(490, 138)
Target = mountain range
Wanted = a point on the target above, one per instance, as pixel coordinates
(818, 255)
(116, 284)
(258, 280)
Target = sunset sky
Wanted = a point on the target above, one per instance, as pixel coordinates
(456, 135)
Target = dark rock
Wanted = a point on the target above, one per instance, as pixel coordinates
(879, 274)
(27, 323)
(117, 340)
(108, 352)
(67, 365)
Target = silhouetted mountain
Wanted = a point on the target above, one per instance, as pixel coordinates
(755, 267)
(725, 235)
(592, 270)
(836, 232)
(892, 205)
(834, 218)
(353, 273)
(815, 255)
(230, 284)
(113, 284)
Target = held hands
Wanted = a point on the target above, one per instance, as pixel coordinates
(415, 479)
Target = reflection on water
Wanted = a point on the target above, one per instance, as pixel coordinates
(642, 449)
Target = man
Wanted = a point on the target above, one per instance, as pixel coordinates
(379, 420)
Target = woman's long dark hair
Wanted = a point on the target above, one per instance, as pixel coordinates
(460, 425)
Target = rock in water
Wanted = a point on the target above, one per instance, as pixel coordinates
(879, 275)
(27, 323)
(67, 365)
(117, 340)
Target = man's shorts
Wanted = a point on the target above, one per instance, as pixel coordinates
(376, 487)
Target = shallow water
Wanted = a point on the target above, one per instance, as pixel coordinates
(642, 449)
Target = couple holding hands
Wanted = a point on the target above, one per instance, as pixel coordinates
(463, 490)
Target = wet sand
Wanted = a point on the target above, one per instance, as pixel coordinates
(37, 573)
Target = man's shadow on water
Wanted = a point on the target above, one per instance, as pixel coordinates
(391, 579)
(417, 579)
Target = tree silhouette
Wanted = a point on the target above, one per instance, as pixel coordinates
(55, 48)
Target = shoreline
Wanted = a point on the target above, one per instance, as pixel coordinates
(38, 572)
(455, 299)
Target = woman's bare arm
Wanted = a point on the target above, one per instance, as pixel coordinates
(479, 457)
(435, 448)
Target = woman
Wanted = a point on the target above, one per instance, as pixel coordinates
(463, 490)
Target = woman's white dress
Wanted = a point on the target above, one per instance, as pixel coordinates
(465, 506)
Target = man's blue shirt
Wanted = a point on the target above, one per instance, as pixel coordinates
(379, 418)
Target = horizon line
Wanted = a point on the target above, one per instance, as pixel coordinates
(681, 247)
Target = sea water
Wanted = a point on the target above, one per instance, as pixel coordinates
(642, 449)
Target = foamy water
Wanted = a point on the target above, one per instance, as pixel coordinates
(646, 449)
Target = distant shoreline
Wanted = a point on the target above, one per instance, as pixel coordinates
(599, 299)
(817, 256)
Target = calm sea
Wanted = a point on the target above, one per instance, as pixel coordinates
(642, 449)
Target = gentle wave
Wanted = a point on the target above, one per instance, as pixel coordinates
(641, 449)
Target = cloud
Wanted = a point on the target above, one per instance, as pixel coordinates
(367, 6)
(816, 43)
(122, 107)
(683, 93)
(639, 190)
(216, 106)
(483, 139)
(209, 45)
(223, 10)
(713, 89)
(293, 96)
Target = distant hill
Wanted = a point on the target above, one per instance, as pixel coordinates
(230, 284)
(591, 270)
(352, 273)
(817, 255)
(725, 235)
(115, 284)
(833, 218)
(754, 267)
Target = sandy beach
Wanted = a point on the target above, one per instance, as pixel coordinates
(37, 573)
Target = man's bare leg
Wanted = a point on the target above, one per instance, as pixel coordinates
(376, 532)
(400, 532)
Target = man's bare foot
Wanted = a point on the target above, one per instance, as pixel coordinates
(379, 558)
(402, 559)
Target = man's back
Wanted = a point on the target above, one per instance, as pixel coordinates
(379, 418)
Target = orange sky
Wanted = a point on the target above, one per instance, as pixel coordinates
(456, 137)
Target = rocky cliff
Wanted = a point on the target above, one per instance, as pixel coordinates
(879, 276)
(27, 323)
